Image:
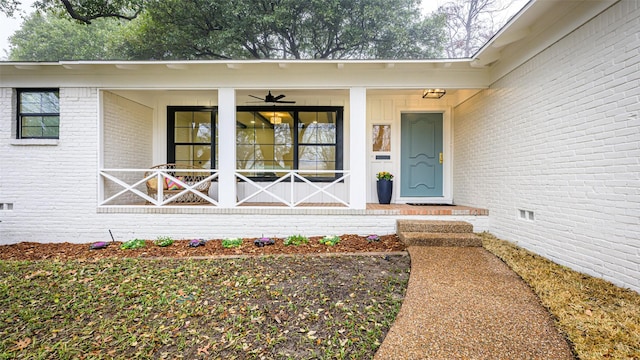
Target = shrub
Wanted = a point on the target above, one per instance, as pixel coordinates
(132, 244)
(329, 240)
(163, 241)
(231, 242)
(296, 240)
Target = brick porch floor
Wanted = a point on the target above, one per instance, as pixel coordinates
(405, 209)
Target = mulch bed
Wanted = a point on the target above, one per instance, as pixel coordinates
(180, 248)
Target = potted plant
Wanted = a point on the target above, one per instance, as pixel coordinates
(384, 186)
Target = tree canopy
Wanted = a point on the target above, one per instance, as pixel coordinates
(284, 29)
(242, 29)
(45, 37)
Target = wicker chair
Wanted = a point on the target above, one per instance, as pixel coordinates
(183, 174)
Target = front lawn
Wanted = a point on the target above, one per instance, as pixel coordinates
(256, 308)
(601, 320)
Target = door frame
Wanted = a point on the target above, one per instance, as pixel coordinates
(447, 154)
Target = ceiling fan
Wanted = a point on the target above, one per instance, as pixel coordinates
(273, 99)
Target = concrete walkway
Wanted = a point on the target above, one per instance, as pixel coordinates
(464, 303)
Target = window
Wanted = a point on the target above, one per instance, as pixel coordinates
(192, 136)
(38, 114)
(270, 139)
(273, 139)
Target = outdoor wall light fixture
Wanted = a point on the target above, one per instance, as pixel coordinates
(433, 93)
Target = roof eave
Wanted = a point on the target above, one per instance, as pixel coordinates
(537, 26)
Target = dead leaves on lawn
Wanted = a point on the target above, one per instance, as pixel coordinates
(601, 320)
(204, 350)
(241, 308)
(21, 344)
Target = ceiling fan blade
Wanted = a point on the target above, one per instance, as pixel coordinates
(284, 102)
(255, 97)
(278, 97)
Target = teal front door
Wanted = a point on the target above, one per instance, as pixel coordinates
(421, 155)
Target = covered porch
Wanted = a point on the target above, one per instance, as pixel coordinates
(216, 148)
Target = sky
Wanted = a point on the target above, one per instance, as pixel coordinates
(9, 25)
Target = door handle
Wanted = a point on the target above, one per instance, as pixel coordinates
(440, 158)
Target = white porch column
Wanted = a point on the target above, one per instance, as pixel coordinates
(226, 147)
(358, 147)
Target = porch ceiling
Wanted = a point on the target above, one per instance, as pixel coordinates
(325, 96)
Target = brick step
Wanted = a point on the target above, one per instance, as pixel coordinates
(439, 239)
(434, 226)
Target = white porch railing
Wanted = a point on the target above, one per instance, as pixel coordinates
(129, 187)
(297, 191)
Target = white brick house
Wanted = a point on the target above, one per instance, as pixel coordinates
(542, 128)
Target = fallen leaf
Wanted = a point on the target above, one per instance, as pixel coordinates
(38, 273)
(22, 344)
(588, 312)
(204, 350)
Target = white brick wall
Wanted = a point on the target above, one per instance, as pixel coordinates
(54, 188)
(48, 185)
(128, 133)
(560, 136)
(127, 226)
(128, 142)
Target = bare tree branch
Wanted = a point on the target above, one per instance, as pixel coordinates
(87, 19)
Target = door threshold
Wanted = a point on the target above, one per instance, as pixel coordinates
(429, 204)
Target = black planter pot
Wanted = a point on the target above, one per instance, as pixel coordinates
(385, 187)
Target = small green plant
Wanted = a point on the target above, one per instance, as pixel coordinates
(132, 244)
(231, 242)
(329, 240)
(163, 241)
(384, 175)
(296, 240)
